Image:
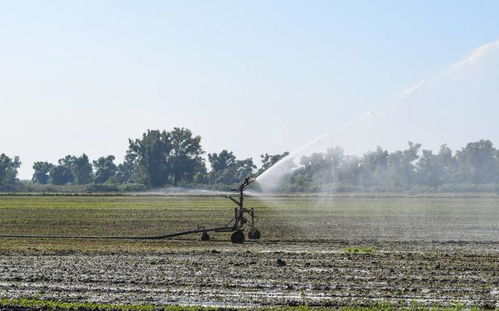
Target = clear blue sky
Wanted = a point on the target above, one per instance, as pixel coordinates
(249, 76)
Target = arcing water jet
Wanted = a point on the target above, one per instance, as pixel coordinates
(462, 92)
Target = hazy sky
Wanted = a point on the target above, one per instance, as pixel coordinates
(249, 76)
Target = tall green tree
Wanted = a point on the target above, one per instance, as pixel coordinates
(41, 172)
(82, 170)
(221, 164)
(62, 173)
(72, 169)
(374, 165)
(8, 171)
(222, 160)
(448, 165)
(104, 169)
(185, 159)
(167, 157)
(401, 170)
(151, 154)
(429, 170)
(127, 172)
(478, 163)
(227, 169)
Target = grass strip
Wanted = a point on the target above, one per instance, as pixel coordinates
(50, 305)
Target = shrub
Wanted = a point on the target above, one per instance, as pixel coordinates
(132, 187)
(102, 188)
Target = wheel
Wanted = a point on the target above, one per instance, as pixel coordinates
(254, 234)
(205, 236)
(237, 237)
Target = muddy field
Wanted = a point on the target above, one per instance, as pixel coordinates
(335, 253)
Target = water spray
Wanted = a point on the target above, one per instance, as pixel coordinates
(277, 171)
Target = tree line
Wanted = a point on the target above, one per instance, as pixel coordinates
(176, 158)
(472, 168)
(156, 159)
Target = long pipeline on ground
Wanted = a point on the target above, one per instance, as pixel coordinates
(151, 237)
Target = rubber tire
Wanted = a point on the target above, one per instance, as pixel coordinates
(254, 234)
(205, 236)
(237, 237)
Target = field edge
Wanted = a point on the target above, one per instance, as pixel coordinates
(28, 304)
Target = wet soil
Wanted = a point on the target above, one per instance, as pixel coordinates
(317, 273)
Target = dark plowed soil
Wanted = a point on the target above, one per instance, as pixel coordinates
(266, 273)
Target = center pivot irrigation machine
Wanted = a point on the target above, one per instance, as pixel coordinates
(236, 225)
